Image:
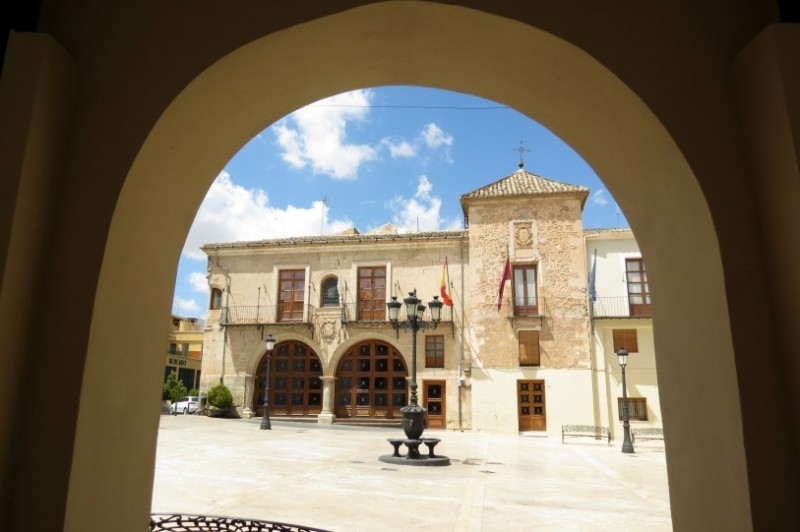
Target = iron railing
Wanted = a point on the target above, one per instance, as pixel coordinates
(262, 315)
(211, 523)
(527, 307)
(619, 307)
(351, 312)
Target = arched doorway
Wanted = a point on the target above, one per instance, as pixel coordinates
(371, 382)
(295, 387)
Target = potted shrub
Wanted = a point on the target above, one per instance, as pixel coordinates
(220, 401)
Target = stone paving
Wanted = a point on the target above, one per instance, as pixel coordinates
(330, 477)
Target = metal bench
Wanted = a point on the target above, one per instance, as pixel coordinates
(647, 433)
(585, 431)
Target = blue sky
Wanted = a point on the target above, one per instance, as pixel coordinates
(401, 155)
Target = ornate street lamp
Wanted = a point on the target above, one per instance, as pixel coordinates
(265, 422)
(413, 414)
(627, 445)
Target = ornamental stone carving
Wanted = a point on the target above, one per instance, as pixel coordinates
(328, 331)
(523, 236)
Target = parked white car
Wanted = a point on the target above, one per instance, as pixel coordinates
(185, 405)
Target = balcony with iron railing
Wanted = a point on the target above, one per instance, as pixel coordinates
(266, 314)
(621, 307)
(526, 311)
(358, 313)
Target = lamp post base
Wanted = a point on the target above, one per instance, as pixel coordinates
(413, 421)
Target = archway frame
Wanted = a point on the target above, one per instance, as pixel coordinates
(259, 83)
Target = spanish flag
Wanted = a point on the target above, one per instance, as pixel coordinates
(443, 287)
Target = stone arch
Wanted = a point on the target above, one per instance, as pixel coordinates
(344, 347)
(559, 88)
(295, 391)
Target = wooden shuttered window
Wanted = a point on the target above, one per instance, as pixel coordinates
(434, 351)
(637, 408)
(625, 338)
(529, 348)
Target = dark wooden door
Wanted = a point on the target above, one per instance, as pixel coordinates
(371, 382)
(531, 405)
(433, 399)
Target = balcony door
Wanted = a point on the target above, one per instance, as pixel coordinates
(292, 295)
(638, 290)
(525, 302)
(371, 293)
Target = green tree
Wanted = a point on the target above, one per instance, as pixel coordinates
(174, 389)
(220, 396)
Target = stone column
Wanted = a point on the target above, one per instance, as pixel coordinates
(328, 387)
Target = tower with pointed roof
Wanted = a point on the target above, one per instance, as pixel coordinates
(532, 226)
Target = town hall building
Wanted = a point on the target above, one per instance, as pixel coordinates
(535, 308)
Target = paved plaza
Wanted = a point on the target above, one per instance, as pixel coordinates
(330, 477)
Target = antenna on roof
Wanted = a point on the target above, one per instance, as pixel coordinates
(520, 149)
(322, 216)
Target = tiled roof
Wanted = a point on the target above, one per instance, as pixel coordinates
(340, 239)
(524, 183)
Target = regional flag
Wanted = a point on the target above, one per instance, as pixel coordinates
(506, 276)
(443, 286)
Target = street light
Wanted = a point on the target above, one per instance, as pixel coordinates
(265, 422)
(627, 445)
(413, 414)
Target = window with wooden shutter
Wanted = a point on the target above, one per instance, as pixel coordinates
(529, 348)
(637, 408)
(625, 338)
(434, 351)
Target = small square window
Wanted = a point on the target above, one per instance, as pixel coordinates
(626, 338)
(637, 408)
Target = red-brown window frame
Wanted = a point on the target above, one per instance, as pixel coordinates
(522, 301)
(637, 408)
(291, 309)
(434, 351)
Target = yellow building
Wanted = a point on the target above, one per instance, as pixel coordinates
(185, 350)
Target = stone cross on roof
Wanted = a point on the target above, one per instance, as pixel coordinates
(521, 149)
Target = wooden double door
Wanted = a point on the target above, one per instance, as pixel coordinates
(531, 405)
(371, 382)
(295, 387)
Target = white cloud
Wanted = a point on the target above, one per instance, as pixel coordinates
(599, 198)
(400, 149)
(232, 213)
(434, 137)
(316, 135)
(421, 211)
(198, 282)
(185, 306)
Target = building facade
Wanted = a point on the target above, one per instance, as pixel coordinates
(520, 346)
(185, 350)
